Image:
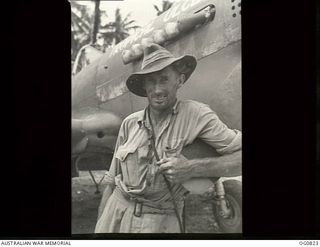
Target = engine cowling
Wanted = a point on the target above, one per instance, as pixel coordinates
(93, 140)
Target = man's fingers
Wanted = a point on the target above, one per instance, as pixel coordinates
(169, 171)
(165, 166)
(170, 178)
(162, 161)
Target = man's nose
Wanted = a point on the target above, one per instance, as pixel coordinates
(157, 89)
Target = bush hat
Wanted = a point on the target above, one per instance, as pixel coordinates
(156, 58)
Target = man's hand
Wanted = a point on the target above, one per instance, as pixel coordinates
(179, 169)
(106, 194)
(176, 169)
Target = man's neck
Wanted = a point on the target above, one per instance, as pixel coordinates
(158, 116)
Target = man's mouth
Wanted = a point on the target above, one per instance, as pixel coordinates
(160, 99)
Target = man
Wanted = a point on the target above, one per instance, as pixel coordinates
(145, 192)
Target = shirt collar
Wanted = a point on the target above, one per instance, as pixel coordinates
(175, 108)
(142, 120)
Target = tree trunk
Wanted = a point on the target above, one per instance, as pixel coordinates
(96, 21)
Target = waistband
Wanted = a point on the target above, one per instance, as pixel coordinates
(141, 207)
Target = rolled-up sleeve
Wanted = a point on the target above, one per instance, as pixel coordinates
(215, 133)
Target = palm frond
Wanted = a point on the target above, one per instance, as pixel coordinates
(128, 23)
(157, 8)
(133, 27)
(127, 17)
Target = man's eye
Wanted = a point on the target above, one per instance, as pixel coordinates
(164, 79)
(149, 82)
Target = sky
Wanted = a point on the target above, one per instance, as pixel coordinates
(142, 11)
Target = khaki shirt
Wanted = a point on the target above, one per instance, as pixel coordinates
(133, 169)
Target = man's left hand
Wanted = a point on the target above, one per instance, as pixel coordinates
(176, 169)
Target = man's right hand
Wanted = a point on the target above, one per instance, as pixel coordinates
(177, 169)
(106, 194)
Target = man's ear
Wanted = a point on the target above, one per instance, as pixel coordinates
(181, 80)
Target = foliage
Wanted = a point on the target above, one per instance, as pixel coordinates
(118, 30)
(87, 32)
(165, 6)
(81, 22)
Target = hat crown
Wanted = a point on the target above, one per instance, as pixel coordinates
(156, 58)
(154, 53)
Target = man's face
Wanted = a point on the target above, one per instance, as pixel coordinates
(161, 88)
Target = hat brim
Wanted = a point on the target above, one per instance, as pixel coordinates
(185, 65)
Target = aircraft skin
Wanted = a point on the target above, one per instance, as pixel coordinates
(101, 100)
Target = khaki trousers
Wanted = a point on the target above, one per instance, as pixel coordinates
(118, 217)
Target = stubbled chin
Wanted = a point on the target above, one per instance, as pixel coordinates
(160, 104)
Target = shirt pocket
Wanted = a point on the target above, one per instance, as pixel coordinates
(174, 147)
(133, 163)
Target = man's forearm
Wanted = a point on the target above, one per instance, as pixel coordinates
(106, 194)
(228, 165)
